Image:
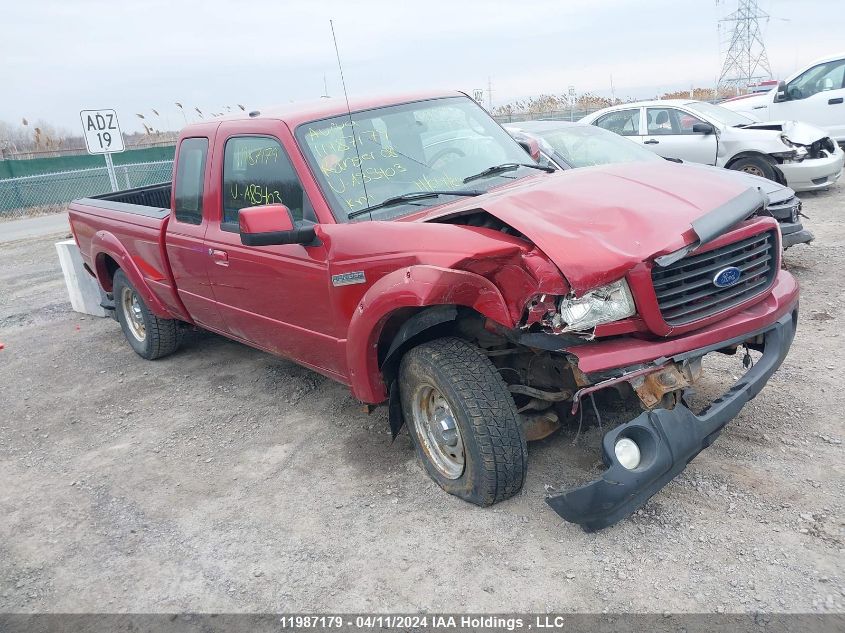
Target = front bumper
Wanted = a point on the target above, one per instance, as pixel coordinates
(813, 173)
(793, 233)
(669, 440)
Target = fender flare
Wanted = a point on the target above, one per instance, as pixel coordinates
(417, 286)
(105, 243)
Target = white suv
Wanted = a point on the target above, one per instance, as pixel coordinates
(815, 94)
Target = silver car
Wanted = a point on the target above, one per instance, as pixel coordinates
(573, 145)
(796, 154)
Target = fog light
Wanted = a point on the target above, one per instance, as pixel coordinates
(628, 453)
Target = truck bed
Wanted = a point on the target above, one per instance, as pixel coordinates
(135, 222)
(152, 200)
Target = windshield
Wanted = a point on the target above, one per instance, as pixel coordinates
(719, 114)
(414, 147)
(587, 145)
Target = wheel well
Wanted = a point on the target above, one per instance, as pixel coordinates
(778, 173)
(106, 269)
(742, 155)
(408, 327)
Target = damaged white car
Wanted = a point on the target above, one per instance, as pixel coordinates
(796, 154)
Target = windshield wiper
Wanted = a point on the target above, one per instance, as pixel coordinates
(414, 195)
(497, 169)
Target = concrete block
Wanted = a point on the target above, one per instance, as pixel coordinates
(84, 291)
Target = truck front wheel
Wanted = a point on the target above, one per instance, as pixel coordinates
(463, 421)
(150, 336)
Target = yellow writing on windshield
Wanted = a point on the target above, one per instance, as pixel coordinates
(433, 183)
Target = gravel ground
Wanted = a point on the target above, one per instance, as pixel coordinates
(224, 479)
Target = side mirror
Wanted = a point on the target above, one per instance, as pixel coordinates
(780, 93)
(272, 224)
(703, 128)
(827, 84)
(531, 146)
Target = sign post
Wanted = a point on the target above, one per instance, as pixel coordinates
(103, 136)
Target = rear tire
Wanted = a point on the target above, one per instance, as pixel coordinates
(150, 336)
(756, 166)
(463, 421)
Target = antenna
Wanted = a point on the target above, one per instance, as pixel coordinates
(349, 114)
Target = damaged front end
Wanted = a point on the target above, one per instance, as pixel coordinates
(560, 315)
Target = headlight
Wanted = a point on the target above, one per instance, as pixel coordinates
(602, 305)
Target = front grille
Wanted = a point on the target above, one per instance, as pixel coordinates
(686, 292)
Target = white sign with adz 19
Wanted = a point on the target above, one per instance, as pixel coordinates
(102, 132)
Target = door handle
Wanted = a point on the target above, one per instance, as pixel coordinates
(221, 258)
(651, 141)
(834, 101)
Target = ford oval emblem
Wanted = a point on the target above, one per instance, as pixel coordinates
(727, 277)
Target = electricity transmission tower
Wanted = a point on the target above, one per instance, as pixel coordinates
(746, 60)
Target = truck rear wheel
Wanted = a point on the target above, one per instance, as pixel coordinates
(463, 421)
(150, 336)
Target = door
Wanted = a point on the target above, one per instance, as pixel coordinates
(274, 297)
(816, 96)
(669, 133)
(186, 229)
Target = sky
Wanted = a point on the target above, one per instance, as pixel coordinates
(58, 57)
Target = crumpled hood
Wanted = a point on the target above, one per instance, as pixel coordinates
(795, 131)
(596, 223)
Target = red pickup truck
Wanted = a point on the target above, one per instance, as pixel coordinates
(411, 249)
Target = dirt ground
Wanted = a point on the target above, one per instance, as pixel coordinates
(224, 479)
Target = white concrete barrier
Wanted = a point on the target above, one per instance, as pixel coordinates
(84, 291)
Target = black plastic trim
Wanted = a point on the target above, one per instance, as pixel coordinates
(668, 440)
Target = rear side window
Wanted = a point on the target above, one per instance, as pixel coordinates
(624, 122)
(190, 174)
(257, 171)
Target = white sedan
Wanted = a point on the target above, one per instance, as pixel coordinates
(796, 154)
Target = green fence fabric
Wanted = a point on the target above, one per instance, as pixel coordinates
(35, 166)
(19, 195)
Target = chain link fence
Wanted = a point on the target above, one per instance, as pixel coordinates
(45, 193)
(575, 114)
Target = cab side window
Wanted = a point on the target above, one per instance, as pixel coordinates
(828, 76)
(624, 122)
(190, 175)
(257, 171)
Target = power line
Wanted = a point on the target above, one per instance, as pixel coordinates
(746, 60)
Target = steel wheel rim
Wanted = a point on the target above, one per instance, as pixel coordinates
(753, 170)
(132, 311)
(438, 431)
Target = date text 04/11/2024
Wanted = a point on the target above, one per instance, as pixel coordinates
(399, 621)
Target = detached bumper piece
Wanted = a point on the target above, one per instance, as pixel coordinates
(668, 441)
(793, 233)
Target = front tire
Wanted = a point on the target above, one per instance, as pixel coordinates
(150, 336)
(756, 166)
(463, 421)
